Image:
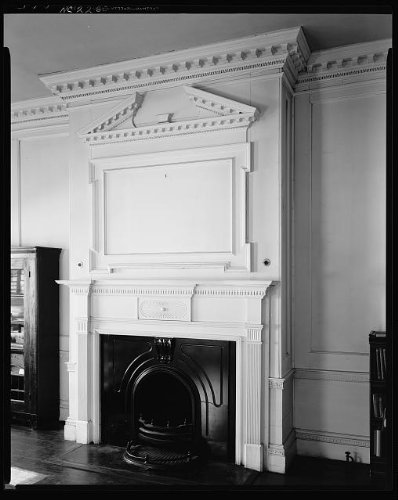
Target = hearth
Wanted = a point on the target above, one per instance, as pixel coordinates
(169, 401)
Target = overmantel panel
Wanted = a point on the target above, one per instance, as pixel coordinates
(171, 210)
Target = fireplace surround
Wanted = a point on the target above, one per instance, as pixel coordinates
(199, 313)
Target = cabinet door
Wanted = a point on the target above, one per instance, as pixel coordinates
(19, 324)
(23, 334)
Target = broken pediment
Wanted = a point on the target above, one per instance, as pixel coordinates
(176, 111)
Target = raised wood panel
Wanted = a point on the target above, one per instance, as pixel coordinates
(348, 223)
(331, 406)
(179, 208)
(339, 218)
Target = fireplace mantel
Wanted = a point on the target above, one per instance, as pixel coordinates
(233, 310)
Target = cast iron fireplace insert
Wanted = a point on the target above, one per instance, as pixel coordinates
(169, 401)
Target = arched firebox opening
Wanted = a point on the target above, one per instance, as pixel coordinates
(168, 401)
(163, 405)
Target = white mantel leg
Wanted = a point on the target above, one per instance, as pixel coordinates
(78, 424)
(253, 448)
(83, 422)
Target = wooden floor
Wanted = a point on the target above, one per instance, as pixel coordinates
(67, 464)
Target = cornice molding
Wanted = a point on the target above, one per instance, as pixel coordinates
(268, 51)
(38, 112)
(225, 114)
(345, 64)
(331, 375)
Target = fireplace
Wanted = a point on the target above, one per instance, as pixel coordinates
(203, 338)
(169, 401)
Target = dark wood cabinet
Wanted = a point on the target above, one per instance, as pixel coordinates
(380, 411)
(35, 336)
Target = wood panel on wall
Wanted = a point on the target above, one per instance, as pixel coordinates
(40, 215)
(339, 258)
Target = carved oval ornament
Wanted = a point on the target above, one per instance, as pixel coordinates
(163, 309)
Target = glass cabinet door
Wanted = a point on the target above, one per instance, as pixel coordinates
(18, 281)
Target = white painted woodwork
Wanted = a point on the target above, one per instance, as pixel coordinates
(182, 255)
(89, 321)
(40, 212)
(174, 209)
(339, 263)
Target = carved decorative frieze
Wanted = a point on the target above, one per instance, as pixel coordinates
(268, 51)
(164, 310)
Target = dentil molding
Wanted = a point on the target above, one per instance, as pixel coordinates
(240, 289)
(344, 65)
(223, 114)
(274, 51)
(48, 110)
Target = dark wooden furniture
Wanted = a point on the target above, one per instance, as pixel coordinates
(35, 336)
(380, 419)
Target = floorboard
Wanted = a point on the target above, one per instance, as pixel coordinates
(69, 464)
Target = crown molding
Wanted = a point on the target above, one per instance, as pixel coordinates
(345, 64)
(38, 112)
(268, 51)
(225, 114)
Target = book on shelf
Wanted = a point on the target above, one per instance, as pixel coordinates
(377, 363)
(378, 405)
(380, 355)
(377, 443)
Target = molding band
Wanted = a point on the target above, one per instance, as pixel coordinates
(333, 438)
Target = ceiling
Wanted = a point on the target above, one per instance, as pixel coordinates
(42, 44)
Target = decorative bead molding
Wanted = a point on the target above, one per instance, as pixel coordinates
(332, 437)
(332, 375)
(225, 114)
(328, 67)
(269, 51)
